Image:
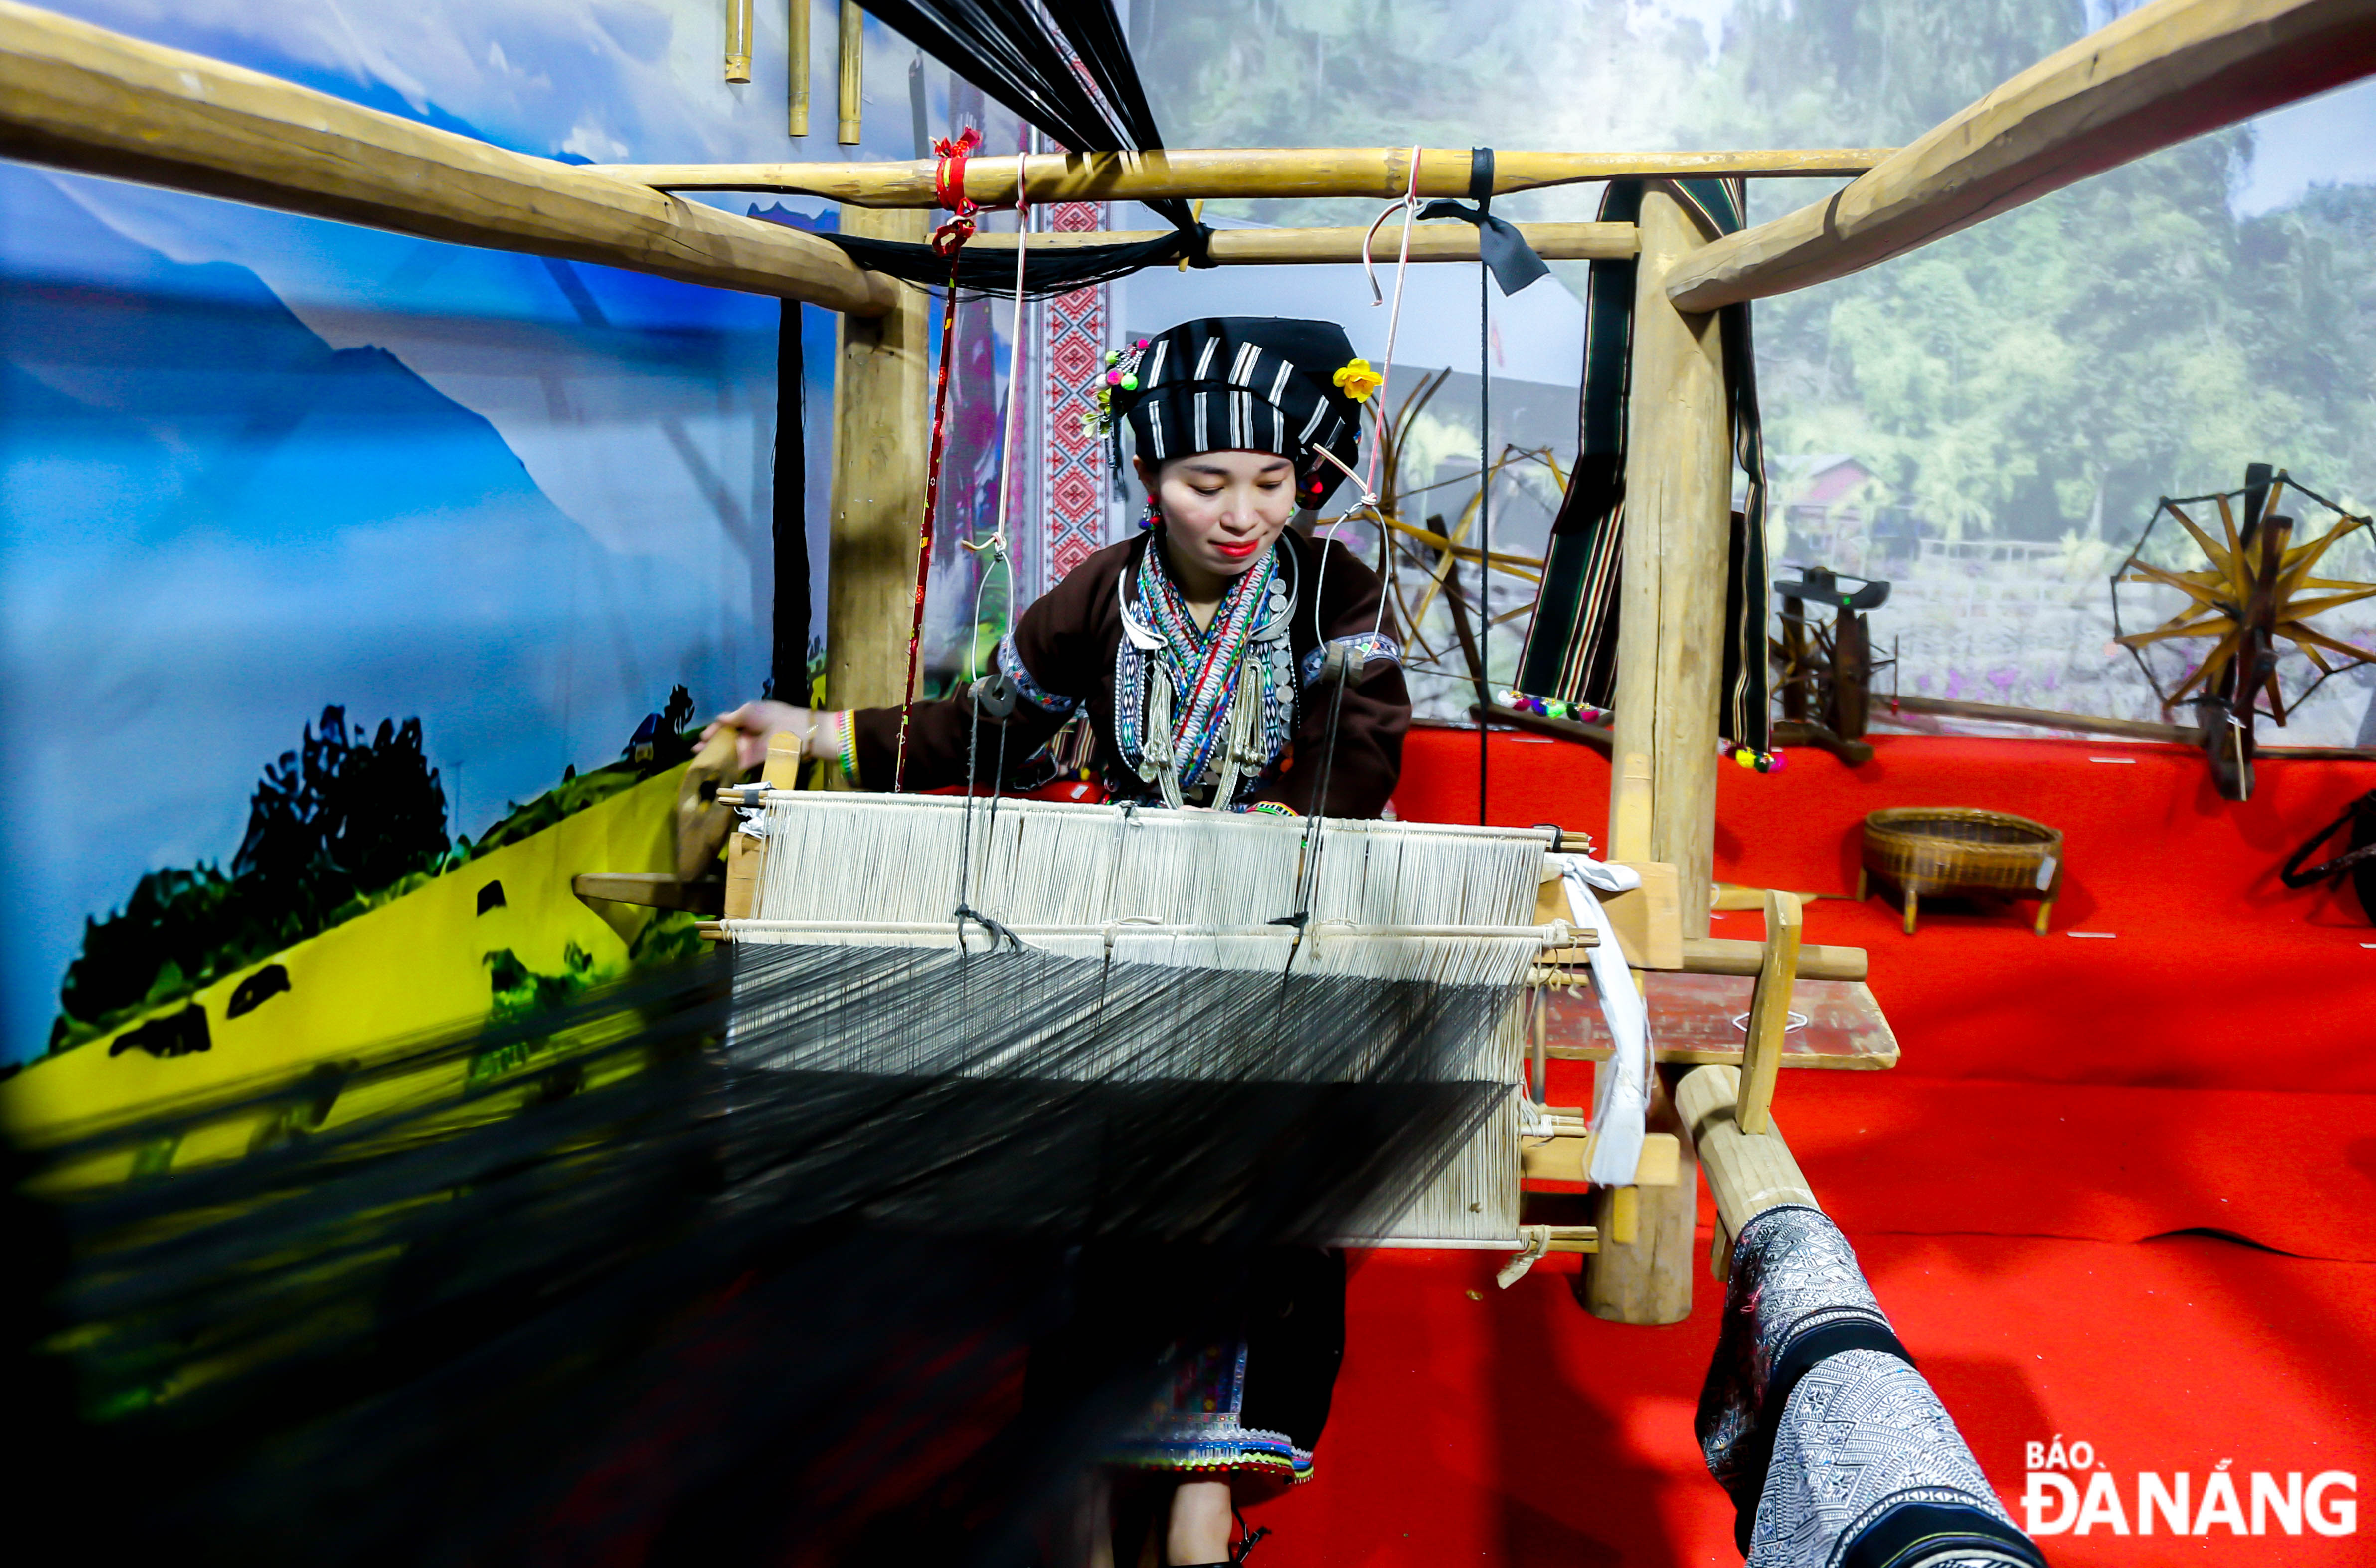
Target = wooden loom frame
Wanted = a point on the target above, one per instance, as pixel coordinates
(81, 98)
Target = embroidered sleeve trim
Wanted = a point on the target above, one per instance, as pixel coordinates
(1011, 664)
(1364, 650)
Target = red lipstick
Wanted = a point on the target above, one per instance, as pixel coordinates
(1237, 552)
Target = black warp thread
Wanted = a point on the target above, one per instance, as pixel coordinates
(595, 1287)
(1021, 52)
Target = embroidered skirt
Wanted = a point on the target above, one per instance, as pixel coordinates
(1251, 1402)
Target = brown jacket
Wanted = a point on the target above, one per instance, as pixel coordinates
(1067, 643)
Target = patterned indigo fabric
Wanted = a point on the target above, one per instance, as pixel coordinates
(1832, 1445)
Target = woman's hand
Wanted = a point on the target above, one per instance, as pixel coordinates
(754, 721)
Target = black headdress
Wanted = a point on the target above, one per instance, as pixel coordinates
(1243, 383)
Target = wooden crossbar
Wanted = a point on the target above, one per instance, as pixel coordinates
(1381, 172)
(78, 97)
(2163, 73)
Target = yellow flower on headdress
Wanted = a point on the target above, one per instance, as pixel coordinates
(1357, 381)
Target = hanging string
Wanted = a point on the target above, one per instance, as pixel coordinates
(1480, 190)
(948, 185)
(1339, 676)
(999, 557)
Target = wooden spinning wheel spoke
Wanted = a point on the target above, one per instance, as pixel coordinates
(2163, 633)
(2214, 664)
(2210, 550)
(2303, 608)
(2294, 576)
(2295, 632)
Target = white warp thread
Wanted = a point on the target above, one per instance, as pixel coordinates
(1621, 1104)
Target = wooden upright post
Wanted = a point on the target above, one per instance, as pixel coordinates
(879, 434)
(1678, 517)
(1669, 667)
(1647, 1276)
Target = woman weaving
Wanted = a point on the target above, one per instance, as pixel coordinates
(1205, 654)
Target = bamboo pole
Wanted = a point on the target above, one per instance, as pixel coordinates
(1678, 517)
(1381, 172)
(878, 485)
(78, 97)
(1748, 1172)
(796, 51)
(1646, 1278)
(2163, 73)
(738, 41)
(853, 72)
(1429, 242)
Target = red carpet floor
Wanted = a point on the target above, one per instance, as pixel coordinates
(2115, 1193)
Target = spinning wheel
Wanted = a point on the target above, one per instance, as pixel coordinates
(1824, 674)
(2255, 591)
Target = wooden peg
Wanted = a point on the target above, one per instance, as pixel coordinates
(1624, 1215)
(1720, 1253)
(1769, 1012)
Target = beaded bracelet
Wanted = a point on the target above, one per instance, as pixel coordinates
(849, 754)
(1275, 809)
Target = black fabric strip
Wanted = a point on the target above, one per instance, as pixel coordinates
(1914, 1533)
(788, 664)
(1045, 272)
(1799, 1357)
(1500, 247)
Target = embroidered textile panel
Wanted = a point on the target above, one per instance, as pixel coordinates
(1074, 341)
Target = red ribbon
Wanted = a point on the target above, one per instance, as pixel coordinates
(948, 187)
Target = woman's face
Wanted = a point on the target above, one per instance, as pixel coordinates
(1222, 509)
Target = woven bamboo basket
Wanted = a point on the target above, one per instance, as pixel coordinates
(1962, 849)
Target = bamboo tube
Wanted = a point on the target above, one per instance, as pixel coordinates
(853, 71)
(1429, 242)
(1381, 172)
(1748, 1172)
(738, 41)
(1647, 1278)
(78, 97)
(2163, 73)
(796, 50)
(878, 479)
(1678, 523)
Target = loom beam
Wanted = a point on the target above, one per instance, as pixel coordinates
(2162, 74)
(1378, 173)
(72, 96)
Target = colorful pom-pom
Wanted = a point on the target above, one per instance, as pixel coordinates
(1130, 384)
